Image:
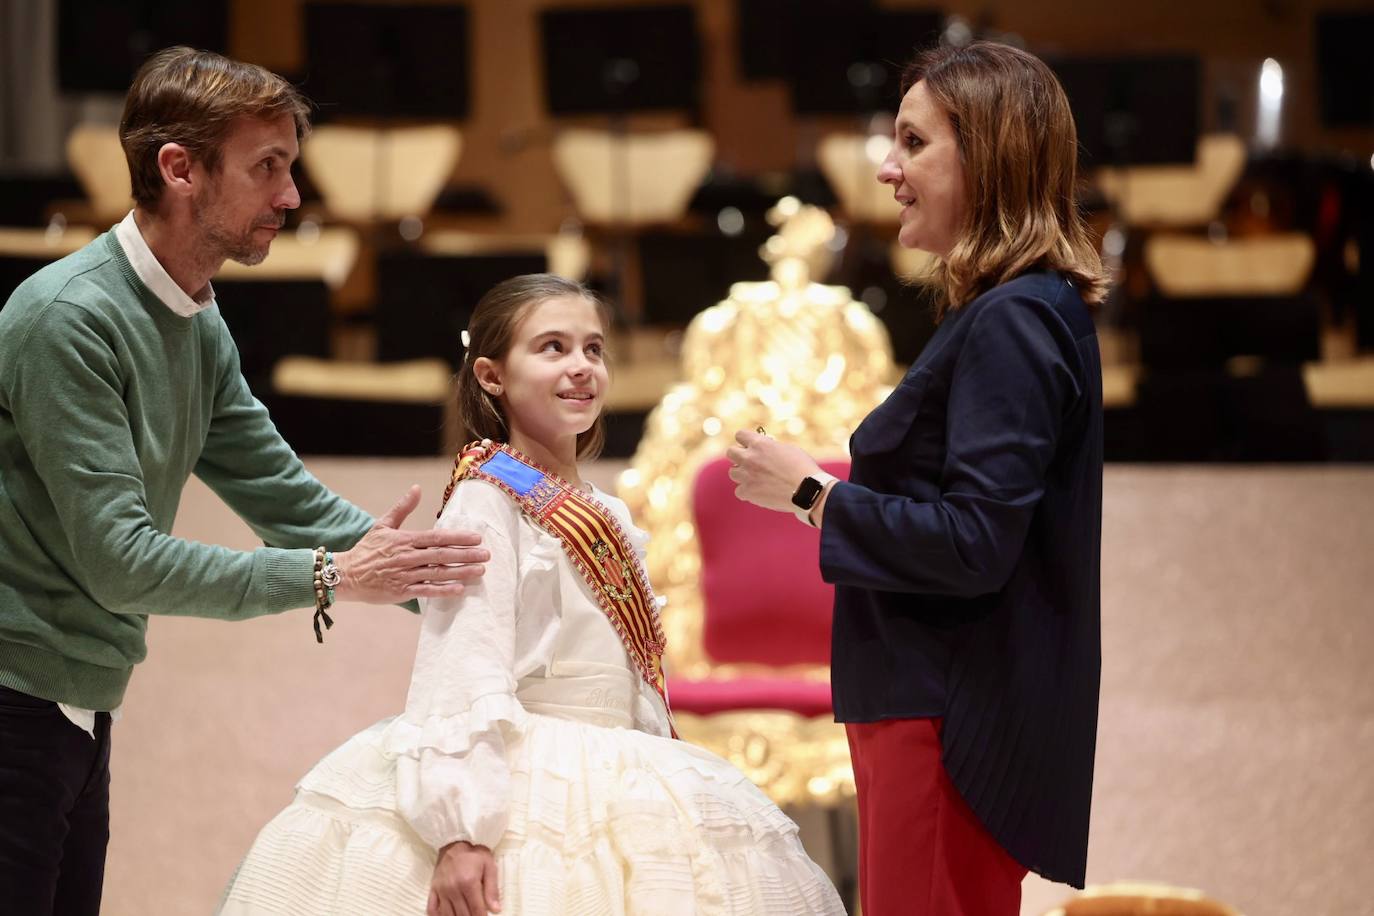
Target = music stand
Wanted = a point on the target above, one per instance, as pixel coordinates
(424, 301)
(838, 56)
(1133, 110)
(384, 61)
(685, 273)
(848, 58)
(271, 319)
(101, 44)
(613, 61)
(1345, 69)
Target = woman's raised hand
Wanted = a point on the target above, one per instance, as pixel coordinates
(767, 472)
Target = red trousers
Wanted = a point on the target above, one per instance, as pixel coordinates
(922, 851)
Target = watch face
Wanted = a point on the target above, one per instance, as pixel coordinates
(806, 494)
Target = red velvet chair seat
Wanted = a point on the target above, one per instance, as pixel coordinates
(762, 698)
(763, 597)
(704, 698)
(764, 603)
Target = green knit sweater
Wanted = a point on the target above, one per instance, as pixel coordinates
(109, 401)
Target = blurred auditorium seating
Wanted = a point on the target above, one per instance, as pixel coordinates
(631, 179)
(1346, 384)
(627, 186)
(1176, 195)
(1185, 266)
(1223, 340)
(29, 199)
(402, 401)
(850, 163)
(273, 317)
(332, 407)
(1215, 300)
(1209, 349)
(685, 270)
(281, 307)
(97, 159)
(565, 253)
(367, 174)
(424, 300)
(1343, 393)
(327, 255)
(23, 251)
(280, 315)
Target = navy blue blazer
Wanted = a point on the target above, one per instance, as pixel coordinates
(965, 552)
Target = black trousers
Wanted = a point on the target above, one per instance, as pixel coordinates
(54, 809)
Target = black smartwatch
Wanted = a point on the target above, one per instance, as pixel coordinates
(808, 491)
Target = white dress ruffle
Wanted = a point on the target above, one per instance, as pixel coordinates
(603, 821)
(566, 774)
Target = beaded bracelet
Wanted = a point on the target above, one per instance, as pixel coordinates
(330, 577)
(324, 596)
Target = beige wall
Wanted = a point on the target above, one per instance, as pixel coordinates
(506, 138)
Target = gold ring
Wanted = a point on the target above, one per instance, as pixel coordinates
(760, 430)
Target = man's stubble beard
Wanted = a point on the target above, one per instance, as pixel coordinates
(221, 242)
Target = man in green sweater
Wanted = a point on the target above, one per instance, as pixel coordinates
(118, 380)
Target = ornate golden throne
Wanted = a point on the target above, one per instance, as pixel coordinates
(748, 677)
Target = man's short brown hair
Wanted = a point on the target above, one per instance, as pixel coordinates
(181, 95)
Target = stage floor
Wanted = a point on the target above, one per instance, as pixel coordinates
(1236, 732)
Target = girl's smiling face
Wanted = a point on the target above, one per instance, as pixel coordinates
(552, 383)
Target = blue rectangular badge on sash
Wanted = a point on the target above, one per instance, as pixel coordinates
(515, 474)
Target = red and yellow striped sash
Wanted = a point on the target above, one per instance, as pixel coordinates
(594, 541)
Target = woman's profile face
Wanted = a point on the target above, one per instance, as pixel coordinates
(926, 174)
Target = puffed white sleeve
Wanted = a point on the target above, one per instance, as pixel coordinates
(452, 775)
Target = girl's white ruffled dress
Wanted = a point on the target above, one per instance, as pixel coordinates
(528, 731)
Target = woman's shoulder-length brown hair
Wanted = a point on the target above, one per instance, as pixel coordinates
(1019, 151)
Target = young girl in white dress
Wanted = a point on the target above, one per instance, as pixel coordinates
(534, 771)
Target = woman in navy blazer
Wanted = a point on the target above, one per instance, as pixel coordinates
(965, 546)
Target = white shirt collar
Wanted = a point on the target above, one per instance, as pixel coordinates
(154, 276)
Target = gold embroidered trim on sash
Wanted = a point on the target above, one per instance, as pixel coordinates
(597, 546)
